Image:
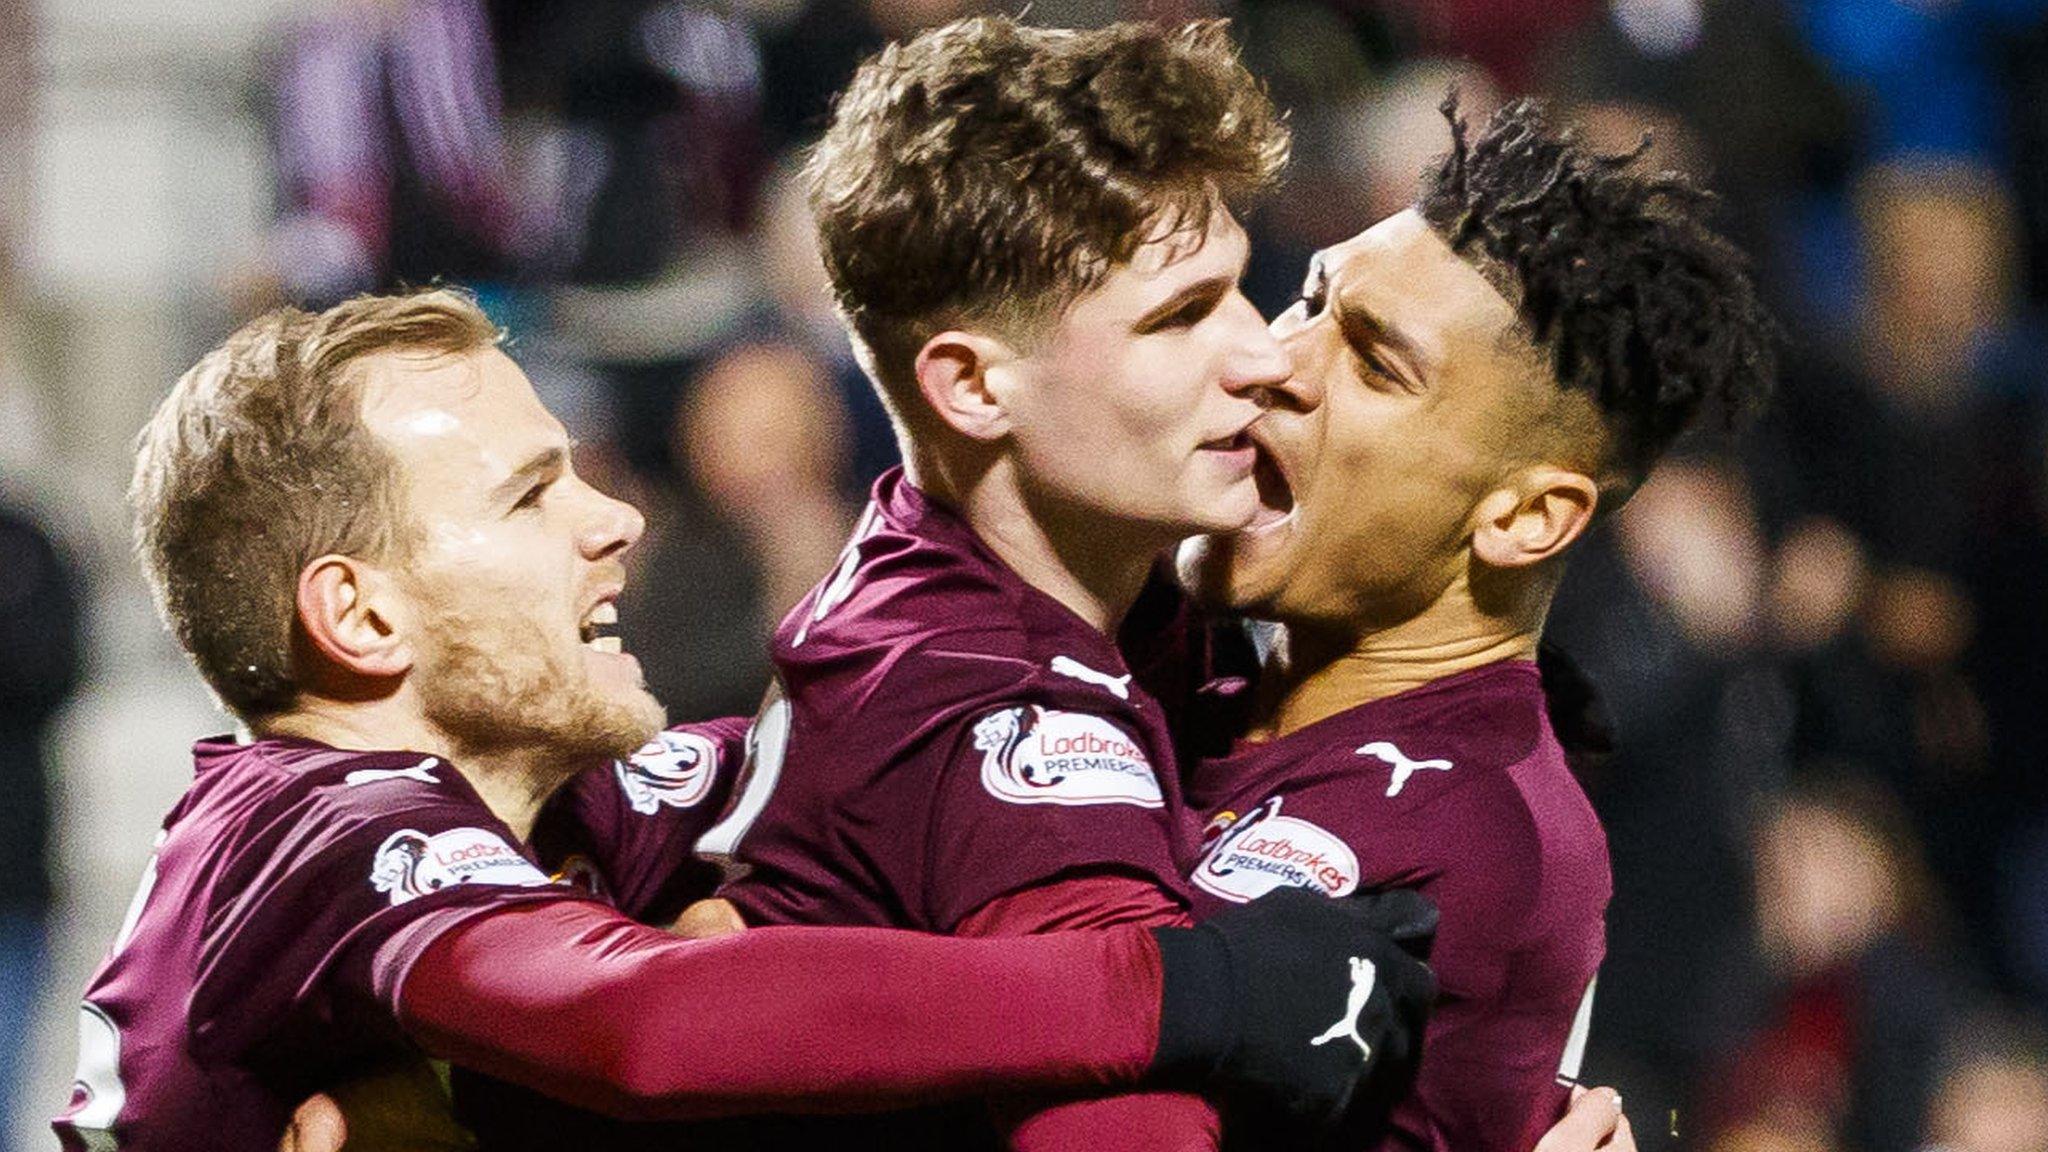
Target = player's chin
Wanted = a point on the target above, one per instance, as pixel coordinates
(1222, 509)
(1220, 576)
(629, 720)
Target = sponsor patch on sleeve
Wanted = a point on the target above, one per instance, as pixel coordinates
(410, 864)
(1262, 850)
(674, 770)
(1034, 755)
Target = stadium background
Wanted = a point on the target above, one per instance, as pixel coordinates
(1821, 644)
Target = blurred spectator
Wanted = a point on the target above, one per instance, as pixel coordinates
(764, 438)
(1766, 125)
(632, 128)
(391, 156)
(1850, 923)
(1907, 458)
(812, 47)
(1786, 1129)
(1664, 611)
(1505, 37)
(41, 646)
(800, 312)
(756, 516)
(1927, 73)
(1993, 1095)
(637, 128)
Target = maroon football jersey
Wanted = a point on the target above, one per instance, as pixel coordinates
(942, 734)
(1458, 789)
(625, 831)
(292, 887)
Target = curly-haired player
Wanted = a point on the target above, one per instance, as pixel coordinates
(1476, 382)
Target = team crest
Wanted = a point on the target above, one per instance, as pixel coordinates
(1262, 850)
(410, 864)
(1033, 755)
(673, 770)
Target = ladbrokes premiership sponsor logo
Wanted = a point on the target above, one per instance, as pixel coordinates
(1263, 850)
(673, 770)
(410, 864)
(1033, 755)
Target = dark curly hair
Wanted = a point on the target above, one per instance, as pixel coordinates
(987, 172)
(1617, 276)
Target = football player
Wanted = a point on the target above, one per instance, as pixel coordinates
(1032, 239)
(1477, 382)
(367, 533)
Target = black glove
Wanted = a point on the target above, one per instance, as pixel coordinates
(1299, 1004)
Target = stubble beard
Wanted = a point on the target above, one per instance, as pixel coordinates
(497, 682)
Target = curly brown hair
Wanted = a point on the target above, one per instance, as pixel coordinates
(258, 462)
(1616, 272)
(989, 173)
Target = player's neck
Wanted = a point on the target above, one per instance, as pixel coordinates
(1314, 674)
(1093, 565)
(514, 783)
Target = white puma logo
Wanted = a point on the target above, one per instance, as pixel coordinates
(1403, 766)
(1363, 976)
(419, 772)
(1068, 666)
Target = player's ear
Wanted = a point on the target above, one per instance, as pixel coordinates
(351, 615)
(954, 371)
(1535, 516)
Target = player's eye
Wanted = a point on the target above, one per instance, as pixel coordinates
(532, 497)
(1187, 315)
(1377, 372)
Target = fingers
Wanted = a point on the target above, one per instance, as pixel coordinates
(317, 1126)
(1593, 1123)
(1403, 914)
(1624, 1138)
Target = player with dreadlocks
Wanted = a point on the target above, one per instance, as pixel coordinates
(1477, 381)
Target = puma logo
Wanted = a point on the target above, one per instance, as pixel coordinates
(1068, 666)
(1403, 766)
(420, 772)
(1363, 976)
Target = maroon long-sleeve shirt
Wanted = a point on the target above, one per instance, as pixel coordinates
(311, 911)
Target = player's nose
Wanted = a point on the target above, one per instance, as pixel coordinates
(1257, 362)
(1301, 388)
(611, 526)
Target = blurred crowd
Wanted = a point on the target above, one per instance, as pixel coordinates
(1820, 640)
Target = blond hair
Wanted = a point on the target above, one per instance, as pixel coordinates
(258, 462)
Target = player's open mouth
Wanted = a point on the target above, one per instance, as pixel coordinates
(1238, 444)
(1276, 495)
(604, 615)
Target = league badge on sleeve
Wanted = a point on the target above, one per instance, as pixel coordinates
(1262, 850)
(1034, 755)
(410, 864)
(674, 770)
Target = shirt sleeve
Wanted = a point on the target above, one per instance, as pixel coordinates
(1162, 1121)
(637, 819)
(332, 875)
(580, 1004)
(1034, 790)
